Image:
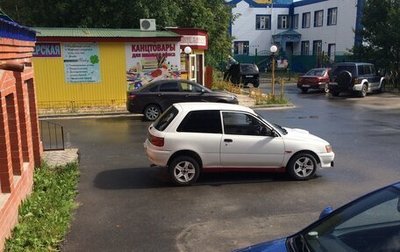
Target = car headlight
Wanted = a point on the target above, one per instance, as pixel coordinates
(328, 148)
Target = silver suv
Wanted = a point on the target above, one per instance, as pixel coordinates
(358, 78)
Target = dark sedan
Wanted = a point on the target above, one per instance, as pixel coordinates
(151, 100)
(370, 223)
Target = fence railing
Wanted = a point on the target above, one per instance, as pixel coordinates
(52, 135)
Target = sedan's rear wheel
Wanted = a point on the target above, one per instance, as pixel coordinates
(302, 166)
(152, 112)
(184, 170)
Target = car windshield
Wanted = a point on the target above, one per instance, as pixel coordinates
(316, 72)
(371, 223)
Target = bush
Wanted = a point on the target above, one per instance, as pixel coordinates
(45, 216)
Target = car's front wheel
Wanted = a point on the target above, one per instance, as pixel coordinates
(302, 166)
(326, 88)
(363, 91)
(152, 112)
(184, 170)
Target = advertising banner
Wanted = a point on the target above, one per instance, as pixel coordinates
(81, 62)
(147, 61)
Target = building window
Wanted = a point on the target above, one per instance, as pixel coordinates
(317, 47)
(283, 22)
(295, 21)
(332, 52)
(332, 16)
(318, 18)
(306, 20)
(263, 22)
(305, 47)
(241, 47)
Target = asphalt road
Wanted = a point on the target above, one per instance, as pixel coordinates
(127, 206)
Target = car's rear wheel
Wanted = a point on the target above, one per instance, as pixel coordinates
(302, 166)
(184, 170)
(334, 93)
(304, 90)
(152, 112)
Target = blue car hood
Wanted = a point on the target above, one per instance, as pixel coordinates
(278, 245)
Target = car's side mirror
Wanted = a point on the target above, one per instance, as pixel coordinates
(265, 131)
(325, 212)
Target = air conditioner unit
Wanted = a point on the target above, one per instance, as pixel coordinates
(147, 24)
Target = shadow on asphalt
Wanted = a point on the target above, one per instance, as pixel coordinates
(155, 177)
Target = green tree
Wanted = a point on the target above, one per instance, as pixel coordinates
(214, 16)
(380, 34)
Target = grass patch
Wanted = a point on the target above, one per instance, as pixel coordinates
(45, 216)
(267, 99)
(228, 86)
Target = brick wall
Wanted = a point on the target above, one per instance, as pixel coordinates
(20, 145)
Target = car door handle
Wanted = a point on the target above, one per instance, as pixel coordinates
(228, 140)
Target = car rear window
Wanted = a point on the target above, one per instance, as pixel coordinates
(165, 119)
(316, 72)
(248, 68)
(195, 122)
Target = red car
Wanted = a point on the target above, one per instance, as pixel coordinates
(316, 78)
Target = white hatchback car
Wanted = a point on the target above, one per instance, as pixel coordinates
(190, 138)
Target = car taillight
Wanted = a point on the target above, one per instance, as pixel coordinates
(156, 141)
(131, 96)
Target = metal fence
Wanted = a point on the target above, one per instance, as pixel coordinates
(52, 135)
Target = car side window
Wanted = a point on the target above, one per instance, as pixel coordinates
(241, 124)
(169, 87)
(189, 87)
(361, 70)
(195, 122)
(154, 88)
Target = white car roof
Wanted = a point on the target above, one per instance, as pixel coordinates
(189, 106)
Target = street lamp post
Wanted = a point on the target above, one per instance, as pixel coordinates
(273, 50)
(188, 50)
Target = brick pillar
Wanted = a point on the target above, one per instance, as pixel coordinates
(34, 123)
(15, 139)
(21, 89)
(6, 182)
(209, 77)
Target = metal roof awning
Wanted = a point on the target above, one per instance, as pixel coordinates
(287, 36)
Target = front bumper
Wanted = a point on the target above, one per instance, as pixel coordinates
(327, 159)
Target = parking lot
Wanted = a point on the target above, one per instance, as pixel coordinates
(128, 206)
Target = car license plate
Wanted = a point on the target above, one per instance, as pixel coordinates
(249, 76)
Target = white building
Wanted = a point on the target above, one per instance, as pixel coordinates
(307, 27)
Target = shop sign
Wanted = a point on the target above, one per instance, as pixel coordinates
(81, 62)
(194, 40)
(148, 61)
(47, 50)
